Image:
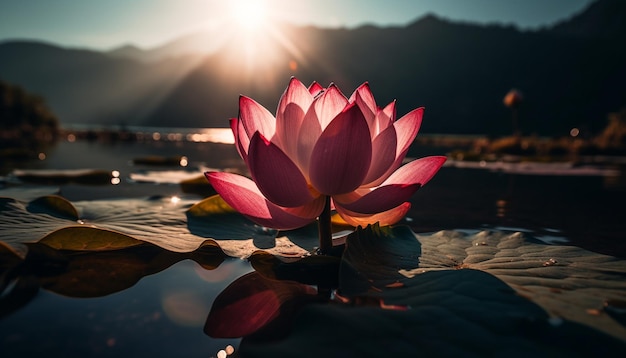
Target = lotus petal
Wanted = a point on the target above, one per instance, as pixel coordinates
(329, 105)
(406, 128)
(380, 199)
(366, 98)
(289, 116)
(315, 88)
(243, 195)
(370, 116)
(277, 176)
(242, 142)
(341, 157)
(383, 154)
(256, 118)
(385, 218)
(419, 171)
(385, 117)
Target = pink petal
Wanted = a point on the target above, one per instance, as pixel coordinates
(278, 178)
(242, 142)
(383, 154)
(397, 189)
(380, 199)
(329, 105)
(309, 133)
(292, 106)
(288, 125)
(256, 118)
(243, 195)
(341, 157)
(297, 94)
(315, 89)
(390, 111)
(385, 117)
(419, 171)
(388, 217)
(367, 97)
(370, 116)
(406, 128)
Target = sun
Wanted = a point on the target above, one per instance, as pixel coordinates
(249, 15)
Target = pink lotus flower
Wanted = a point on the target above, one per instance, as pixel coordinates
(323, 145)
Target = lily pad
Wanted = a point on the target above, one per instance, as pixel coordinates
(450, 293)
(95, 274)
(87, 273)
(567, 281)
(177, 160)
(174, 224)
(465, 313)
(85, 238)
(27, 192)
(54, 205)
(65, 176)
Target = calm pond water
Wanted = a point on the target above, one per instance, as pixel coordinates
(164, 313)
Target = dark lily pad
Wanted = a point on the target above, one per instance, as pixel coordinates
(465, 313)
(319, 270)
(85, 238)
(197, 185)
(28, 192)
(453, 294)
(178, 225)
(567, 281)
(240, 237)
(374, 257)
(53, 205)
(95, 274)
(66, 176)
(177, 160)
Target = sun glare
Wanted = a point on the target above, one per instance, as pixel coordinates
(249, 14)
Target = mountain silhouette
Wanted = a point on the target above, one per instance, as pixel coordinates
(571, 74)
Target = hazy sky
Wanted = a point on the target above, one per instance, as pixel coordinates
(105, 24)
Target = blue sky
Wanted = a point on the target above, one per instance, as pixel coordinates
(103, 24)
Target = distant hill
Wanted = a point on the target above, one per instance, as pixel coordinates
(83, 86)
(460, 72)
(602, 19)
(197, 44)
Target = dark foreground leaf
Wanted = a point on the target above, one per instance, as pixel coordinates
(464, 313)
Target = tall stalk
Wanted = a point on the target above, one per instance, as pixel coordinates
(326, 235)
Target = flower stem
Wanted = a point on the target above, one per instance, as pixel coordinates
(326, 235)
